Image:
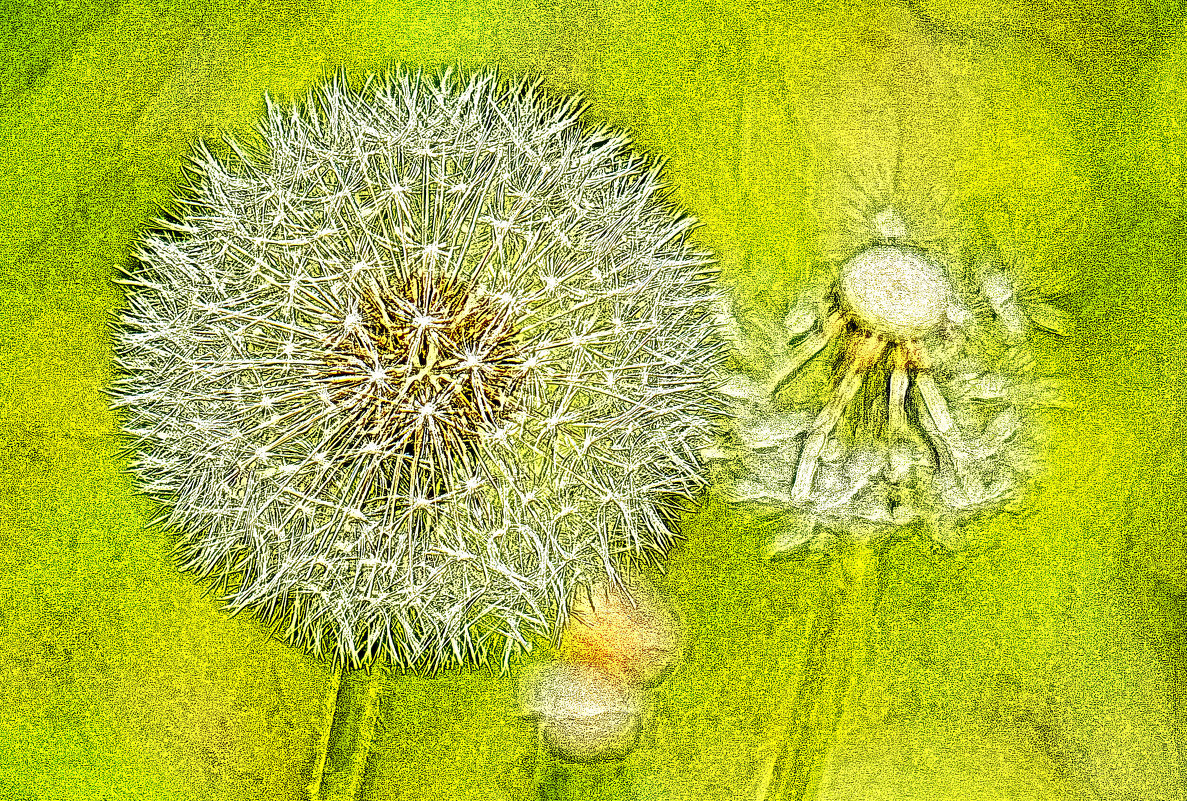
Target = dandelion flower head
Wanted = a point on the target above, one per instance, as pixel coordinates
(425, 356)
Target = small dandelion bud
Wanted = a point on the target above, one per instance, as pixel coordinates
(583, 713)
(631, 636)
(382, 332)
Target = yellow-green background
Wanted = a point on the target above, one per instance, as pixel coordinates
(1045, 660)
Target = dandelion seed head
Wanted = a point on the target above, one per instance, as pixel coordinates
(932, 414)
(407, 339)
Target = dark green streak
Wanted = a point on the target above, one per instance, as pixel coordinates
(558, 779)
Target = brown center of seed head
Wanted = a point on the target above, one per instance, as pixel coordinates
(426, 363)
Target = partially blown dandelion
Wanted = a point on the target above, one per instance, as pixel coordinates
(929, 390)
(425, 359)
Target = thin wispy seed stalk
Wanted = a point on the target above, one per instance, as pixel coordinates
(414, 363)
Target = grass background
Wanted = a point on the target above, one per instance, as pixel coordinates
(1045, 660)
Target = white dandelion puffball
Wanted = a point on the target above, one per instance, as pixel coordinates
(424, 359)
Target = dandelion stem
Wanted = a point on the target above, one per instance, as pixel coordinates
(354, 710)
(559, 779)
(832, 677)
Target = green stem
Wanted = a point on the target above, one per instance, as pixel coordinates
(836, 652)
(558, 779)
(347, 743)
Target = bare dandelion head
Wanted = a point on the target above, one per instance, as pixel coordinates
(931, 415)
(894, 291)
(427, 357)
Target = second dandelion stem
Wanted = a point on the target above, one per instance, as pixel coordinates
(350, 735)
(831, 676)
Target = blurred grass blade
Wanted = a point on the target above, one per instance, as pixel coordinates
(831, 678)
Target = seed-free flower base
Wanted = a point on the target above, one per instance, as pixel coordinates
(914, 424)
(895, 292)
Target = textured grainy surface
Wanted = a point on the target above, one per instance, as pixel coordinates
(1058, 130)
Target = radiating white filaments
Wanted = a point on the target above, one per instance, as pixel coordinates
(366, 366)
